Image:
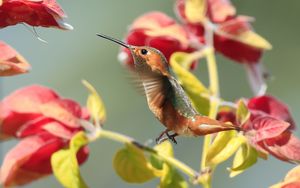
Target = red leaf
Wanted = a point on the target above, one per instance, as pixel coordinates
(30, 159)
(64, 110)
(157, 30)
(12, 169)
(273, 107)
(268, 127)
(227, 116)
(45, 13)
(237, 51)
(220, 10)
(11, 123)
(217, 10)
(45, 124)
(27, 106)
(295, 184)
(29, 99)
(11, 62)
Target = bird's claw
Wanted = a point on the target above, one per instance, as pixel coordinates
(160, 138)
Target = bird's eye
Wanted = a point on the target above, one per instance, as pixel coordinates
(144, 51)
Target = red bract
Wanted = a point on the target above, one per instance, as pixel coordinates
(279, 139)
(273, 107)
(269, 128)
(44, 123)
(233, 35)
(45, 13)
(11, 62)
(159, 31)
(34, 103)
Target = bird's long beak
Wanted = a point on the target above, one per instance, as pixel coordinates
(115, 40)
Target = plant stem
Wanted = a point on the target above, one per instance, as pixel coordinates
(213, 73)
(214, 103)
(128, 140)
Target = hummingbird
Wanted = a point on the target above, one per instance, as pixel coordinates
(165, 96)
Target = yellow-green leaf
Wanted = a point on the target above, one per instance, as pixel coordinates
(180, 63)
(195, 10)
(242, 112)
(219, 143)
(172, 178)
(231, 147)
(169, 176)
(132, 166)
(244, 158)
(164, 148)
(65, 166)
(95, 104)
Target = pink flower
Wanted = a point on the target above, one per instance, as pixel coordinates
(45, 13)
(44, 123)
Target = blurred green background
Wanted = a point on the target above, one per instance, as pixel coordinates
(73, 55)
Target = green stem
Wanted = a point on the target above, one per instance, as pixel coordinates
(214, 103)
(213, 73)
(128, 140)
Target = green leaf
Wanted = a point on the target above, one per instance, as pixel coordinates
(242, 112)
(132, 166)
(65, 166)
(244, 158)
(180, 63)
(231, 147)
(219, 143)
(95, 104)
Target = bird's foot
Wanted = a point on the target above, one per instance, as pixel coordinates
(172, 137)
(160, 138)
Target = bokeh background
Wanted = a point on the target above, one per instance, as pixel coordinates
(73, 55)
